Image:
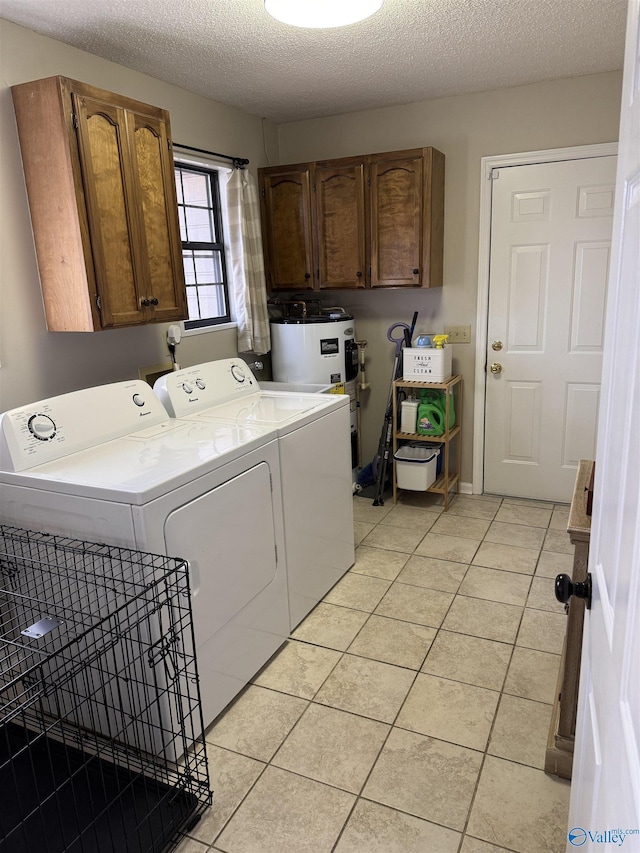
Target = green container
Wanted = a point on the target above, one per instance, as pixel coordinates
(430, 419)
(439, 398)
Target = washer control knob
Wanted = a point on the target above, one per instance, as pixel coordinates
(200, 384)
(238, 373)
(187, 388)
(42, 427)
(138, 399)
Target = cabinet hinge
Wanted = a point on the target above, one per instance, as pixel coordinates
(313, 186)
(74, 121)
(318, 274)
(98, 302)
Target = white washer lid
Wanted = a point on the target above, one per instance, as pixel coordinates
(146, 465)
(279, 410)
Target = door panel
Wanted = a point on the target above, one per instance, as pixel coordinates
(238, 595)
(231, 568)
(112, 226)
(286, 212)
(579, 435)
(527, 298)
(550, 243)
(589, 296)
(523, 430)
(164, 277)
(396, 222)
(605, 792)
(339, 199)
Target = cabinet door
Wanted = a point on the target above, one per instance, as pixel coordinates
(286, 223)
(396, 221)
(340, 229)
(155, 189)
(113, 228)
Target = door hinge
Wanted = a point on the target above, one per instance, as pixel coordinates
(494, 174)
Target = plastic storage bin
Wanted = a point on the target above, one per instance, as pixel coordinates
(416, 466)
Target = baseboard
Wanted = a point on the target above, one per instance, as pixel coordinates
(466, 488)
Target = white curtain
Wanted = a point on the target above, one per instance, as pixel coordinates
(247, 264)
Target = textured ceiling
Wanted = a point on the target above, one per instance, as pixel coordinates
(233, 52)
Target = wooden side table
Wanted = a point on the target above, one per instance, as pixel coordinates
(559, 756)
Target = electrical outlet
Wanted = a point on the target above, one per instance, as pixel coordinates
(458, 334)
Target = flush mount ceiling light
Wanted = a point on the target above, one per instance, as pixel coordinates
(321, 14)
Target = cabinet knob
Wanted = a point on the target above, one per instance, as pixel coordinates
(565, 588)
(307, 275)
(359, 274)
(416, 271)
(144, 302)
(153, 301)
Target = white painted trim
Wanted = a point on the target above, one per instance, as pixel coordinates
(466, 489)
(488, 164)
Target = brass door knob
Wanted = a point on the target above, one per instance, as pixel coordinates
(496, 367)
(496, 345)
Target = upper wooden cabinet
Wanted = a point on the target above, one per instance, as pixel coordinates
(357, 222)
(100, 180)
(286, 226)
(340, 227)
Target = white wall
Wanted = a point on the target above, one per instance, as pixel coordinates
(576, 111)
(37, 363)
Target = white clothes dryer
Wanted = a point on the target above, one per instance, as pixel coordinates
(108, 465)
(315, 464)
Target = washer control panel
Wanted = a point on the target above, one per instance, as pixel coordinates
(193, 389)
(50, 429)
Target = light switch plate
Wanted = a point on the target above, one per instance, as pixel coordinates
(458, 334)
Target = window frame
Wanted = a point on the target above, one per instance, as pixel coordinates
(218, 211)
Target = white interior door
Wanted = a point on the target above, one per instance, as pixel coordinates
(550, 245)
(605, 792)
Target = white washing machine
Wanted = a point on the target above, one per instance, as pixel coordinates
(315, 465)
(108, 465)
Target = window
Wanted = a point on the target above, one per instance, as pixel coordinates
(205, 272)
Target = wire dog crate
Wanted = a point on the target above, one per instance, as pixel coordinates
(101, 732)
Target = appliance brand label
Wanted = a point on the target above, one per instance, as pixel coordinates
(329, 346)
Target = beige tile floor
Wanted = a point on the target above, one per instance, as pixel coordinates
(409, 712)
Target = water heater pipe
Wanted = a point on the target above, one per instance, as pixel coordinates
(362, 383)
